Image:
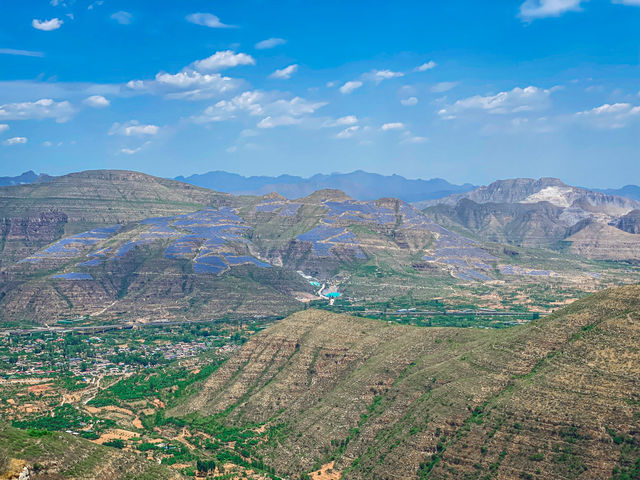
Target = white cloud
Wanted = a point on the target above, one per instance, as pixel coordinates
(409, 102)
(380, 75)
(283, 120)
(610, 116)
(414, 140)
(133, 128)
(131, 151)
(270, 43)
(43, 108)
(285, 73)
(348, 132)
(15, 141)
(350, 87)
(95, 4)
(425, 66)
(3, 127)
(187, 84)
(207, 20)
(47, 143)
(223, 59)
(47, 25)
(443, 87)
(23, 53)
(122, 17)
(96, 101)
(635, 3)
(297, 106)
(532, 9)
(247, 101)
(513, 101)
(253, 103)
(392, 126)
(341, 122)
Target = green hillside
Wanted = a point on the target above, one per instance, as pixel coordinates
(556, 398)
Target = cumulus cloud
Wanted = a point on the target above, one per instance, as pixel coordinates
(15, 141)
(380, 75)
(187, 85)
(22, 53)
(350, 86)
(270, 43)
(513, 101)
(249, 102)
(222, 60)
(193, 82)
(133, 151)
(133, 128)
(348, 132)
(122, 17)
(392, 126)
(46, 25)
(283, 120)
(532, 9)
(96, 101)
(276, 111)
(285, 73)
(443, 87)
(40, 109)
(3, 127)
(341, 122)
(409, 102)
(610, 116)
(207, 20)
(425, 66)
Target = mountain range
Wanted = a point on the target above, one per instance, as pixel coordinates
(25, 178)
(121, 244)
(110, 242)
(359, 184)
(544, 213)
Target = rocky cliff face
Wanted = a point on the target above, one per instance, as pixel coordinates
(630, 222)
(22, 236)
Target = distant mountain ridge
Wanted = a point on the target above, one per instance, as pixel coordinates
(358, 184)
(629, 191)
(542, 212)
(23, 179)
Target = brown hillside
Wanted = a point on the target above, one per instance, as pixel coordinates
(556, 398)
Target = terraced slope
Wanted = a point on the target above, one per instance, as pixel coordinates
(241, 256)
(52, 455)
(34, 215)
(557, 398)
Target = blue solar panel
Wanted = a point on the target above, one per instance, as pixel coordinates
(73, 276)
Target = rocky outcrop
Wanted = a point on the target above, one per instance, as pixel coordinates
(630, 222)
(21, 236)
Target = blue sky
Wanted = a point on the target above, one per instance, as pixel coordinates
(465, 90)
